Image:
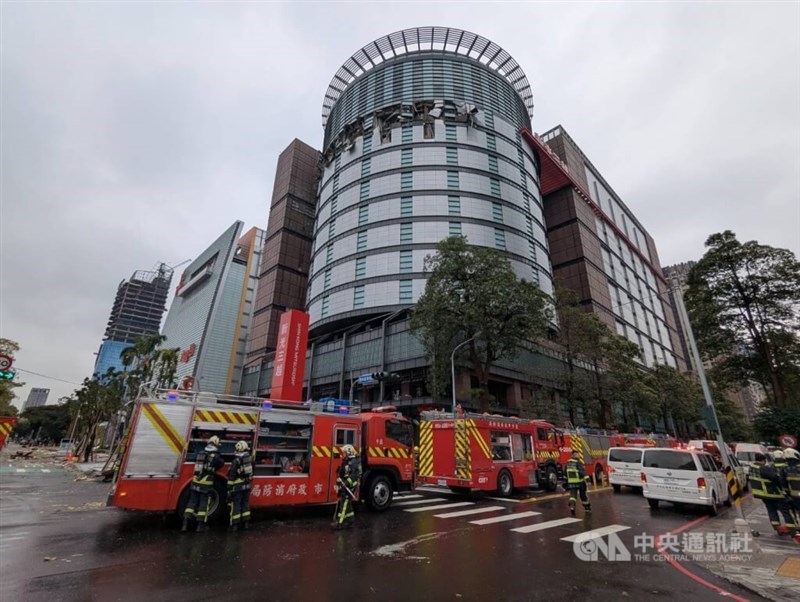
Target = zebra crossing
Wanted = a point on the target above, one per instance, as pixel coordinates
(27, 470)
(417, 503)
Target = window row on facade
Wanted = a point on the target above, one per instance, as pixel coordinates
(442, 157)
(617, 213)
(529, 263)
(433, 207)
(383, 197)
(529, 242)
(348, 165)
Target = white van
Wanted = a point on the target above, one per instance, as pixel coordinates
(746, 453)
(625, 467)
(683, 476)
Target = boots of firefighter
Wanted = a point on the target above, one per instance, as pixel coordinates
(185, 525)
(201, 527)
(233, 528)
(587, 507)
(572, 504)
(243, 526)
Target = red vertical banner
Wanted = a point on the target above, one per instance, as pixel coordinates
(290, 357)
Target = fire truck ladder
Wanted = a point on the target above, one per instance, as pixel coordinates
(463, 460)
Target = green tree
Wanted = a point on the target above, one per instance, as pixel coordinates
(577, 335)
(744, 303)
(770, 424)
(45, 422)
(166, 366)
(141, 361)
(472, 294)
(676, 399)
(7, 395)
(96, 401)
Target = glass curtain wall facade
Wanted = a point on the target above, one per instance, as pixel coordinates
(422, 142)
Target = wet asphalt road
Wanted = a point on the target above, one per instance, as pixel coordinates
(58, 541)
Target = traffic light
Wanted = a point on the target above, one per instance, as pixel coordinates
(7, 374)
(379, 375)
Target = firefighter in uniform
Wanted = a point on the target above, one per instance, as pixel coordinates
(576, 483)
(208, 462)
(767, 485)
(347, 480)
(240, 477)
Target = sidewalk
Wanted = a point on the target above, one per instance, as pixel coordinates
(772, 569)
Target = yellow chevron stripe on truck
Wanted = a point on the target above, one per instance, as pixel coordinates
(223, 417)
(425, 466)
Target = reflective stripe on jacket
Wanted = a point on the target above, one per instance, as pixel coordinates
(766, 484)
(575, 474)
(241, 472)
(208, 462)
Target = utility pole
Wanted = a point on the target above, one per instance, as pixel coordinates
(701, 373)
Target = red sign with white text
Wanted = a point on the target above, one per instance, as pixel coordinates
(290, 357)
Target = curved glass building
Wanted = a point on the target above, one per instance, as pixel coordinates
(422, 141)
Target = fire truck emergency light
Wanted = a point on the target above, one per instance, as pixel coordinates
(172, 395)
(266, 405)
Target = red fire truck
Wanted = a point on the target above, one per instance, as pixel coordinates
(592, 450)
(295, 448)
(490, 453)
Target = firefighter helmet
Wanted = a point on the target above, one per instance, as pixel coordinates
(349, 451)
(777, 454)
(214, 440)
(241, 446)
(791, 454)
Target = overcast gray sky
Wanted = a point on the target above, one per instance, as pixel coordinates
(134, 133)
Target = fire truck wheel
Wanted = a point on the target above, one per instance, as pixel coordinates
(617, 488)
(598, 474)
(216, 510)
(505, 484)
(379, 493)
(652, 503)
(551, 478)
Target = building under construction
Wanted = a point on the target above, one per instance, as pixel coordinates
(137, 311)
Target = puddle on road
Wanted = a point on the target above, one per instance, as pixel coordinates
(395, 549)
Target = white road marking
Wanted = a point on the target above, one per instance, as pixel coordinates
(503, 518)
(595, 533)
(439, 507)
(425, 501)
(45, 470)
(468, 512)
(546, 525)
(20, 470)
(399, 496)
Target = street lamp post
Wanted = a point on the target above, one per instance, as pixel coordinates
(453, 369)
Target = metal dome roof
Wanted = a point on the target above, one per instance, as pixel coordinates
(428, 39)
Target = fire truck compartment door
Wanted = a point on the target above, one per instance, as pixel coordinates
(343, 434)
(159, 441)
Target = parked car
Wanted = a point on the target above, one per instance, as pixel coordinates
(625, 467)
(683, 476)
